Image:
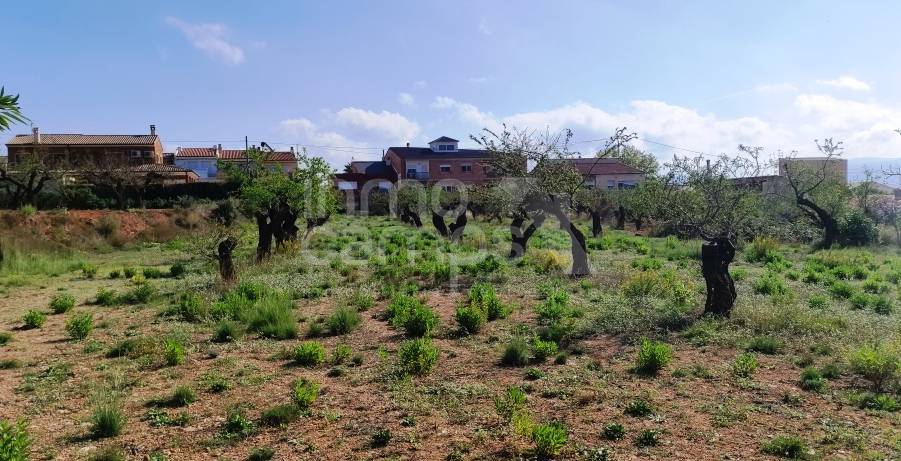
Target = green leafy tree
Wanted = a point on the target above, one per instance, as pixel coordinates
(276, 200)
(10, 112)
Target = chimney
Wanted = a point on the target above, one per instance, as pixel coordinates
(152, 130)
(292, 149)
(408, 144)
(218, 150)
(36, 135)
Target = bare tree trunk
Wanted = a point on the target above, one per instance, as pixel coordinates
(454, 232)
(519, 237)
(226, 264)
(438, 222)
(264, 234)
(620, 217)
(638, 221)
(579, 251)
(597, 228)
(827, 222)
(716, 255)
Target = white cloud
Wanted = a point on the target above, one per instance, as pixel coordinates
(467, 112)
(846, 82)
(406, 99)
(420, 84)
(334, 147)
(209, 38)
(387, 125)
(483, 26)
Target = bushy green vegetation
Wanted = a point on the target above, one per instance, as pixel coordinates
(14, 441)
(417, 356)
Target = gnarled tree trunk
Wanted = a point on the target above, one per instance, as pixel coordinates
(264, 235)
(519, 236)
(597, 228)
(620, 217)
(579, 251)
(716, 255)
(224, 255)
(453, 232)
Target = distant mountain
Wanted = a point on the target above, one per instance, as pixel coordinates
(857, 168)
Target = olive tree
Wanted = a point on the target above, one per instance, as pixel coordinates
(276, 199)
(817, 190)
(549, 189)
(701, 198)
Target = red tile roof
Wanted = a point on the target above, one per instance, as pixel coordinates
(231, 154)
(86, 139)
(602, 166)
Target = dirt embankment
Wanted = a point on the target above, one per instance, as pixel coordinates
(90, 228)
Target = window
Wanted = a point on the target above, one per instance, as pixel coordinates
(626, 184)
(411, 172)
(449, 188)
(136, 153)
(445, 168)
(466, 168)
(611, 184)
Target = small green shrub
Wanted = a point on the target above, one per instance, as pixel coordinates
(639, 408)
(860, 300)
(420, 321)
(5, 337)
(471, 319)
(174, 353)
(304, 393)
(812, 380)
(227, 331)
(516, 354)
(541, 349)
(648, 438)
(110, 453)
(652, 357)
(152, 273)
(745, 365)
(280, 415)
(309, 354)
(841, 290)
(62, 303)
(88, 271)
(785, 447)
(34, 319)
(770, 284)
(190, 307)
(533, 374)
(273, 317)
(341, 353)
(882, 305)
(550, 439)
(177, 270)
(140, 294)
(183, 395)
(237, 424)
(417, 356)
(105, 297)
(765, 345)
(14, 441)
(107, 420)
(380, 438)
(510, 403)
(80, 325)
(483, 297)
(614, 431)
(261, 454)
(818, 302)
(878, 364)
(881, 402)
(129, 272)
(343, 321)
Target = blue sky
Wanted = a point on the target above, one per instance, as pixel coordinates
(702, 75)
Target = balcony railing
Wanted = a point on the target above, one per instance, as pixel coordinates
(420, 175)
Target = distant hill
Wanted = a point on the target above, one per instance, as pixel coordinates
(857, 168)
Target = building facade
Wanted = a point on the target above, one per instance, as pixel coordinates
(205, 160)
(835, 167)
(607, 173)
(72, 151)
(441, 160)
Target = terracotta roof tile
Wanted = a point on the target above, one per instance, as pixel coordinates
(232, 154)
(86, 139)
(602, 166)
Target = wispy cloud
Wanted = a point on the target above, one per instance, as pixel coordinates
(406, 99)
(210, 38)
(483, 26)
(846, 82)
(420, 84)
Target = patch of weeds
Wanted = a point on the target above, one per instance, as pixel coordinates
(510, 403)
(261, 454)
(541, 349)
(812, 380)
(273, 318)
(10, 364)
(647, 438)
(818, 302)
(227, 331)
(33, 318)
(652, 357)
(764, 345)
(80, 325)
(341, 354)
(108, 454)
(5, 337)
(878, 364)
(105, 297)
(309, 354)
(417, 356)
(516, 354)
(614, 431)
(550, 439)
(744, 365)
(157, 417)
(183, 396)
(237, 424)
(639, 408)
(190, 307)
(380, 438)
(281, 415)
(304, 393)
(770, 284)
(62, 303)
(533, 374)
(107, 420)
(140, 294)
(785, 447)
(174, 353)
(14, 441)
(881, 402)
(343, 321)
